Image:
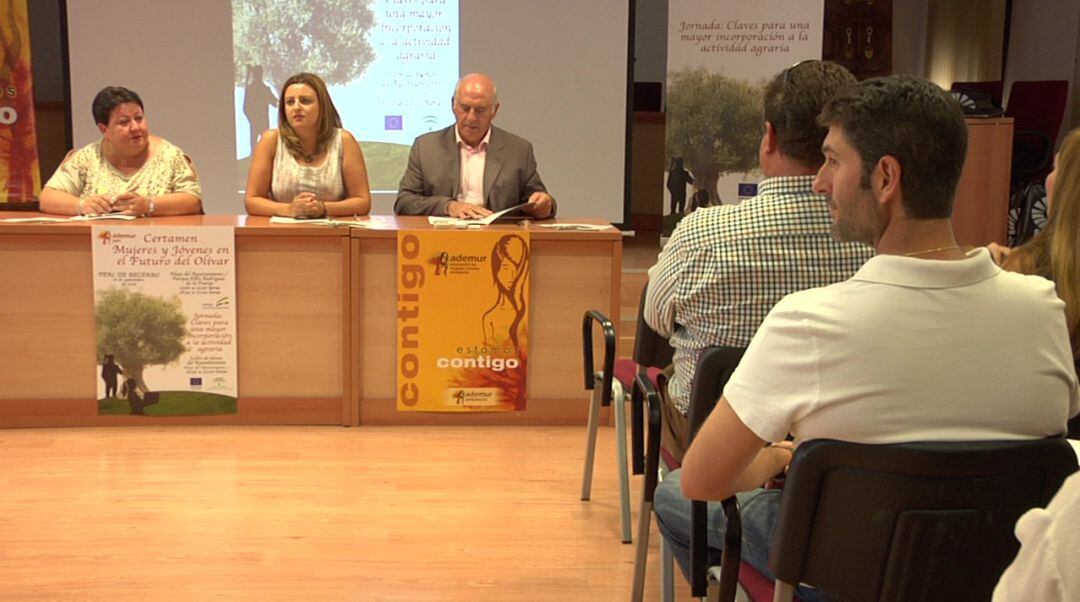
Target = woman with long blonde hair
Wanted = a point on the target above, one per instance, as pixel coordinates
(1054, 253)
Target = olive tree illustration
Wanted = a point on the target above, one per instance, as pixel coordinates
(139, 331)
(714, 124)
(326, 37)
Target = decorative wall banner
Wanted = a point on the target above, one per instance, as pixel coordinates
(165, 313)
(463, 320)
(720, 56)
(20, 178)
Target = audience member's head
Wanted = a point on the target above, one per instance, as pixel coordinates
(108, 99)
(916, 123)
(792, 102)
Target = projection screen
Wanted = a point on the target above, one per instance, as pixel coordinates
(560, 67)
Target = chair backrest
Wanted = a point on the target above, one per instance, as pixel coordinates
(1038, 106)
(714, 367)
(921, 521)
(650, 349)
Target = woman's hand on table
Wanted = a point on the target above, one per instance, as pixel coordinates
(305, 205)
(131, 203)
(94, 205)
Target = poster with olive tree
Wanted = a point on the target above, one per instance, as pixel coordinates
(165, 320)
(720, 56)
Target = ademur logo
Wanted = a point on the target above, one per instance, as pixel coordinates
(445, 263)
(108, 236)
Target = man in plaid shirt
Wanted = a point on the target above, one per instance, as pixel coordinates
(725, 267)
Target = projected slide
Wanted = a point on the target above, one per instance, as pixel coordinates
(390, 66)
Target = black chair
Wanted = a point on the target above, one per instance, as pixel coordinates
(714, 368)
(1037, 109)
(651, 354)
(920, 521)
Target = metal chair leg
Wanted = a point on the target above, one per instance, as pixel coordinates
(667, 573)
(618, 401)
(783, 592)
(641, 558)
(590, 442)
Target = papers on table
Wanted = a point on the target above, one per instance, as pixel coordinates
(577, 227)
(453, 222)
(95, 218)
(369, 222)
(456, 222)
(77, 218)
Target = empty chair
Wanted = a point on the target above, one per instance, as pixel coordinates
(610, 384)
(1037, 109)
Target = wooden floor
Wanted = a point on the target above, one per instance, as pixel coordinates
(310, 513)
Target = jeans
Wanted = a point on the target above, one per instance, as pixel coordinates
(758, 511)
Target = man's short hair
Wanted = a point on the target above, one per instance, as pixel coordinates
(914, 121)
(793, 100)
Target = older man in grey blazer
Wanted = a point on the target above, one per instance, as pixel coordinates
(472, 168)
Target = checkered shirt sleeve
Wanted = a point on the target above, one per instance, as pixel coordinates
(725, 267)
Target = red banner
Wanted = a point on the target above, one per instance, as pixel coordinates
(20, 178)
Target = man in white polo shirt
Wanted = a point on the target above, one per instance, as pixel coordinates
(908, 349)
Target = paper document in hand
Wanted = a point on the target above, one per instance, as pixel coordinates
(494, 216)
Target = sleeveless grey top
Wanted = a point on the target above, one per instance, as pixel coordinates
(290, 177)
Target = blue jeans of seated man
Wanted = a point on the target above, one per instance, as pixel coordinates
(757, 509)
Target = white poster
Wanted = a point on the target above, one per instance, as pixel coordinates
(165, 316)
(720, 56)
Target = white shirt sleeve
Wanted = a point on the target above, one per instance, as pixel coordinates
(1048, 565)
(68, 177)
(777, 381)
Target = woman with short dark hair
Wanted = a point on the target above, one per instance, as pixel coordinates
(127, 171)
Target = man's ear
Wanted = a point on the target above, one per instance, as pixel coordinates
(769, 144)
(887, 178)
(102, 127)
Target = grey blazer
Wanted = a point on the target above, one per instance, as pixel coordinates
(432, 178)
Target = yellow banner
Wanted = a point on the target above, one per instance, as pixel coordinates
(20, 178)
(462, 320)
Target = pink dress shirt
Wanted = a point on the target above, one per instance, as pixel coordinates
(471, 190)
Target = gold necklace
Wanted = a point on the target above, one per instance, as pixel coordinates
(914, 253)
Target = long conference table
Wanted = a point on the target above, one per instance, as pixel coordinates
(316, 323)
